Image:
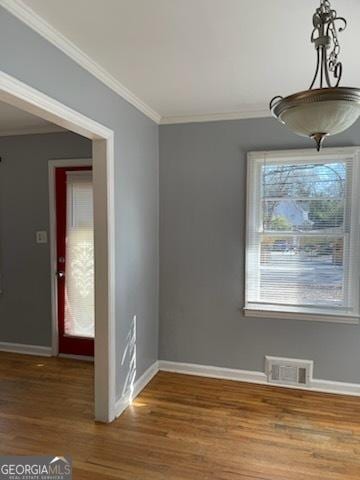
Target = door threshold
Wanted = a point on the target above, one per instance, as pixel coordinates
(83, 358)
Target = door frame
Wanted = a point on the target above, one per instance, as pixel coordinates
(53, 165)
(20, 95)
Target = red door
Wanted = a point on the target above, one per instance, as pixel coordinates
(74, 260)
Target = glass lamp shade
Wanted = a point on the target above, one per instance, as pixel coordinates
(329, 117)
(319, 113)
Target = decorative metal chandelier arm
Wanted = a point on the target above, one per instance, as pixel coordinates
(325, 36)
(317, 69)
(275, 100)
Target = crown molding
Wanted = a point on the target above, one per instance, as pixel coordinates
(32, 130)
(24, 13)
(257, 111)
(43, 28)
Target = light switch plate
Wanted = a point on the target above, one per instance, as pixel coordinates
(41, 236)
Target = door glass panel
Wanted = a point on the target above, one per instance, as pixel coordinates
(79, 266)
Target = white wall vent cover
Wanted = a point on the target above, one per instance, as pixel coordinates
(289, 371)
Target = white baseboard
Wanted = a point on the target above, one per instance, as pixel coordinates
(138, 386)
(329, 386)
(213, 372)
(26, 349)
(324, 386)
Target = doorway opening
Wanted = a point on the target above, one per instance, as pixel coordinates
(20, 95)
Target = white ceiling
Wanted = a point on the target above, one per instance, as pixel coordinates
(201, 57)
(14, 121)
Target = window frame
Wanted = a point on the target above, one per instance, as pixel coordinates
(253, 218)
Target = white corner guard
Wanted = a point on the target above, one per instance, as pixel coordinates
(26, 349)
(324, 386)
(126, 400)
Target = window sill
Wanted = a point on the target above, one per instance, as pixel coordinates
(312, 317)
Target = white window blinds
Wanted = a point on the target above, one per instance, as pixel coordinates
(303, 232)
(79, 285)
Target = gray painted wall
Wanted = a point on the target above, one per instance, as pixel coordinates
(36, 62)
(202, 245)
(202, 227)
(25, 303)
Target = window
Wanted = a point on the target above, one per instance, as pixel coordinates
(302, 252)
(79, 293)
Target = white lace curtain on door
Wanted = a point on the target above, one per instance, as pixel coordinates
(79, 291)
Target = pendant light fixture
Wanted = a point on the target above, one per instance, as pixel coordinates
(327, 109)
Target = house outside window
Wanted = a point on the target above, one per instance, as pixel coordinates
(302, 248)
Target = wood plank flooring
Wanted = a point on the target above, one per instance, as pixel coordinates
(180, 428)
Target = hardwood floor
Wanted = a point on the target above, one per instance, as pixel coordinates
(180, 427)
